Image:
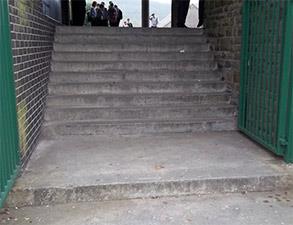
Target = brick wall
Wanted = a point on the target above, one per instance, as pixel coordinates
(32, 43)
(223, 23)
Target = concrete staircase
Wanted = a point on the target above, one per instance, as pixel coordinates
(107, 84)
(135, 81)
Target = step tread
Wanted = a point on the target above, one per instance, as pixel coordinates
(143, 94)
(142, 121)
(140, 82)
(185, 106)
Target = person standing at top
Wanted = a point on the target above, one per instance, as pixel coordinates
(103, 16)
(78, 12)
(93, 14)
(154, 21)
(112, 15)
(129, 23)
(119, 15)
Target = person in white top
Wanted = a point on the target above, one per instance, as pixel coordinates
(154, 21)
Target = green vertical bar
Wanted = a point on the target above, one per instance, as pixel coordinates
(275, 85)
(273, 75)
(243, 69)
(9, 147)
(287, 106)
(256, 76)
(270, 30)
(260, 74)
(250, 100)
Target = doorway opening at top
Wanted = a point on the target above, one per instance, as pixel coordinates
(163, 10)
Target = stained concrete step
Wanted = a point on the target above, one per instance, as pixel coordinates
(104, 31)
(122, 100)
(108, 39)
(129, 56)
(136, 87)
(138, 127)
(120, 75)
(86, 169)
(126, 47)
(135, 113)
(182, 65)
(269, 208)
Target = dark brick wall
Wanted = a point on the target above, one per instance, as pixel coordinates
(223, 23)
(32, 43)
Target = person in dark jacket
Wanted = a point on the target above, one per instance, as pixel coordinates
(78, 12)
(103, 15)
(112, 15)
(93, 14)
(119, 15)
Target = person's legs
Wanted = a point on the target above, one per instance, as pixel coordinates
(200, 13)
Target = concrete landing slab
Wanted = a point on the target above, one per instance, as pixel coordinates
(221, 209)
(82, 169)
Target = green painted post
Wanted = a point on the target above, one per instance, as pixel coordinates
(9, 143)
(288, 71)
(285, 90)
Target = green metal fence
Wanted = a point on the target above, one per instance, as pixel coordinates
(266, 89)
(9, 148)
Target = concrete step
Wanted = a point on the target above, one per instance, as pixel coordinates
(122, 100)
(227, 209)
(135, 113)
(109, 39)
(125, 31)
(137, 127)
(129, 56)
(127, 47)
(182, 65)
(90, 168)
(120, 75)
(136, 87)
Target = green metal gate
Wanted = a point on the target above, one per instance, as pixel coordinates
(266, 89)
(9, 148)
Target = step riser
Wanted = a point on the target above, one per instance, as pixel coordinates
(95, 57)
(136, 114)
(142, 47)
(116, 88)
(51, 196)
(126, 31)
(136, 129)
(108, 40)
(131, 76)
(134, 100)
(132, 66)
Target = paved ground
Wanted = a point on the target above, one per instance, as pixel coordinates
(228, 209)
(86, 161)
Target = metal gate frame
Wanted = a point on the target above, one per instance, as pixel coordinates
(256, 102)
(9, 143)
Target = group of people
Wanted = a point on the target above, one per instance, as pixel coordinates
(99, 15)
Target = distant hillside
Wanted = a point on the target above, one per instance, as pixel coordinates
(132, 9)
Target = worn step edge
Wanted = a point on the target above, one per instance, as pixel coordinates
(136, 100)
(163, 75)
(128, 127)
(130, 112)
(151, 189)
(132, 31)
